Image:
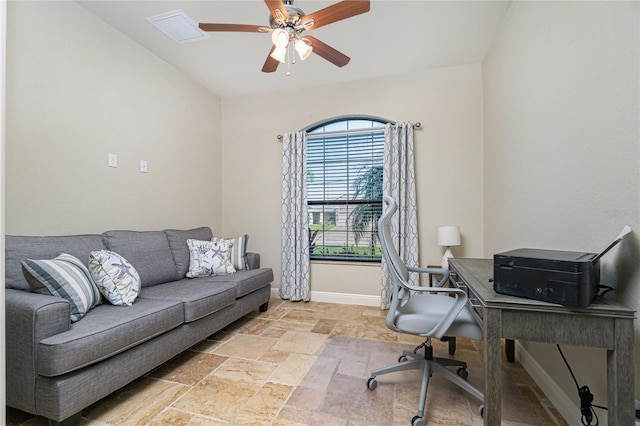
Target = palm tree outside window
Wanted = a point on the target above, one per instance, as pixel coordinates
(344, 188)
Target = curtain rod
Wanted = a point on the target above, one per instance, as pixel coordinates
(415, 126)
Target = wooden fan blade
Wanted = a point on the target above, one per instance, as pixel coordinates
(270, 65)
(328, 52)
(233, 27)
(275, 5)
(337, 12)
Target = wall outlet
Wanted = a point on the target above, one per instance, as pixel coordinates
(113, 160)
(143, 166)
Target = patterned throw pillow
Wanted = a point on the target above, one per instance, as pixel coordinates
(238, 251)
(209, 258)
(66, 277)
(116, 278)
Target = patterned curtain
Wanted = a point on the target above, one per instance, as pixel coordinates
(399, 183)
(294, 283)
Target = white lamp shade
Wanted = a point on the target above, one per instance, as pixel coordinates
(279, 54)
(303, 49)
(448, 235)
(280, 37)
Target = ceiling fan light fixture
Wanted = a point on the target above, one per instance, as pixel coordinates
(280, 38)
(279, 54)
(286, 24)
(303, 49)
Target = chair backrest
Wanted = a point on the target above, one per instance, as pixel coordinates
(403, 290)
(389, 251)
(400, 294)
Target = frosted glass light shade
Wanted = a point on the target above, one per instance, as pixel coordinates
(303, 49)
(280, 37)
(448, 236)
(279, 54)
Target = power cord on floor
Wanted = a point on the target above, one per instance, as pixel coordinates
(586, 398)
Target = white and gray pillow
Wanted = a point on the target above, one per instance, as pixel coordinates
(116, 278)
(239, 251)
(208, 258)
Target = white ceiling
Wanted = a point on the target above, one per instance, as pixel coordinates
(394, 37)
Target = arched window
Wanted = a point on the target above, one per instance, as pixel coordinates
(344, 188)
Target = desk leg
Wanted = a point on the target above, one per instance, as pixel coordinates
(492, 366)
(620, 376)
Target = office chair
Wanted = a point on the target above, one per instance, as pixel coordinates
(426, 312)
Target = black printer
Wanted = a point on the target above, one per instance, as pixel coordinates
(566, 277)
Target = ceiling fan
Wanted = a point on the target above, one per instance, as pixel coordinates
(286, 25)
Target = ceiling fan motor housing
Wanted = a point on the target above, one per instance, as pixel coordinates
(294, 20)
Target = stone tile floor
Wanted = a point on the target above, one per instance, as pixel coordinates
(283, 368)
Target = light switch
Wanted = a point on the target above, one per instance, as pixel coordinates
(143, 166)
(113, 160)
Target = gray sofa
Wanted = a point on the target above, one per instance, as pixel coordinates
(55, 368)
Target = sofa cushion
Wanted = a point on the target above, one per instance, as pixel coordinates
(200, 297)
(178, 244)
(147, 251)
(105, 331)
(18, 248)
(209, 258)
(65, 277)
(116, 278)
(244, 282)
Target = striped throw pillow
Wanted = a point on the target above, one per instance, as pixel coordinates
(66, 277)
(238, 251)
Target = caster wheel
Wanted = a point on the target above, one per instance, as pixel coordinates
(372, 383)
(481, 409)
(462, 372)
(402, 358)
(417, 421)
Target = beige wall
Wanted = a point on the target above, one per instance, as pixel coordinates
(77, 90)
(448, 155)
(562, 155)
(554, 164)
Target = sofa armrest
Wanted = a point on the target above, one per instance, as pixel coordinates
(29, 318)
(253, 260)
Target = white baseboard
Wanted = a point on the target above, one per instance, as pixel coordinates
(340, 298)
(563, 403)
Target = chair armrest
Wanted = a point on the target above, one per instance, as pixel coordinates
(439, 271)
(460, 295)
(253, 260)
(440, 329)
(29, 318)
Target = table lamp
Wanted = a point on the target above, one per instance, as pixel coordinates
(448, 236)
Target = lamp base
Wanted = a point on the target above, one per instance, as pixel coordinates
(445, 259)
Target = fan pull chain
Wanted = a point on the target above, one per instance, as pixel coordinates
(293, 51)
(290, 59)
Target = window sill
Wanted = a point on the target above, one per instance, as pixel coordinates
(344, 262)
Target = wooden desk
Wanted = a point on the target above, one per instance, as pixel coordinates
(603, 325)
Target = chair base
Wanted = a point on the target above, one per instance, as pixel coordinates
(412, 360)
